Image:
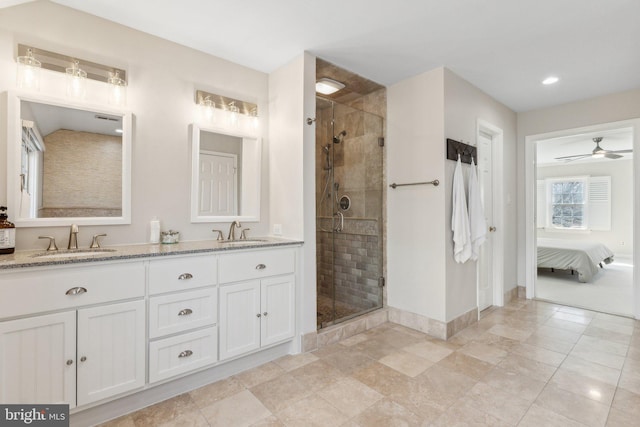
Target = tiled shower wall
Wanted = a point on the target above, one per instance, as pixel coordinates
(353, 262)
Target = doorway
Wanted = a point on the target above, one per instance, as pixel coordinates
(490, 276)
(543, 220)
(584, 220)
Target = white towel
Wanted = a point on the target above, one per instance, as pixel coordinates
(477, 221)
(460, 218)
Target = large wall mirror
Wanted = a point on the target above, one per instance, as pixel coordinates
(67, 163)
(225, 181)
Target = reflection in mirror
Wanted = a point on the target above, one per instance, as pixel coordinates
(225, 176)
(71, 164)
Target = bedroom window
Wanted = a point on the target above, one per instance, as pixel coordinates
(568, 203)
(574, 203)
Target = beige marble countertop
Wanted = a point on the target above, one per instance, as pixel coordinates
(40, 258)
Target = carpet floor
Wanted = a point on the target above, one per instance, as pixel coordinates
(610, 291)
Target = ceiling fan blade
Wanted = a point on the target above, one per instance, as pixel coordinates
(620, 151)
(610, 155)
(573, 157)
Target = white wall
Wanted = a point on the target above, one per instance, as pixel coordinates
(600, 110)
(416, 224)
(464, 104)
(621, 173)
(162, 78)
(292, 169)
(423, 111)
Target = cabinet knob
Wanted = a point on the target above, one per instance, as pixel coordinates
(76, 291)
(185, 353)
(260, 267)
(258, 315)
(265, 314)
(185, 312)
(185, 276)
(83, 359)
(69, 362)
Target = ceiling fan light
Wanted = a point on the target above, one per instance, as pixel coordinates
(598, 155)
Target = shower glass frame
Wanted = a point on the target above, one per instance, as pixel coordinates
(349, 162)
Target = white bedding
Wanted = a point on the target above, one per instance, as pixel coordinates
(582, 256)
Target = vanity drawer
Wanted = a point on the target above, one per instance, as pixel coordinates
(181, 273)
(170, 314)
(183, 353)
(254, 265)
(30, 292)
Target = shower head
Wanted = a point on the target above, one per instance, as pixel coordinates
(339, 137)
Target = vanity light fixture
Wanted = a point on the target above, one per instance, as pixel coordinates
(328, 86)
(237, 112)
(28, 76)
(550, 80)
(76, 81)
(117, 89)
(35, 59)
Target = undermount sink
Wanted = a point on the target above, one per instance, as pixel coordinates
(242, 242)
(73, 253)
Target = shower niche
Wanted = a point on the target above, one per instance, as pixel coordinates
(349, 197)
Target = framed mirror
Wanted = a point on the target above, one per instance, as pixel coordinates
(67, 163)
(225, 180)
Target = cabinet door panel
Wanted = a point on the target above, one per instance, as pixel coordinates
(112, 339)
(239, 320)
(278, 309)
(33, 359)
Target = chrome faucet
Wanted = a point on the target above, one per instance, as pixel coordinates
(73, 237)
(232, 230)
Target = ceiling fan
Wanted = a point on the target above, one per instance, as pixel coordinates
(597, 152)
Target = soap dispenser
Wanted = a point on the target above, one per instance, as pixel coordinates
(7, 233)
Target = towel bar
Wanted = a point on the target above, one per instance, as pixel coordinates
(435, 183)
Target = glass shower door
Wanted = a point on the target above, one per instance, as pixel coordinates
(349, 198)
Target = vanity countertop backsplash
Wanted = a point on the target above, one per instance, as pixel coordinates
(41, 258)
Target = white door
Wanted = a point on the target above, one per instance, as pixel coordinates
(485, 261)
(278, 310)
(38, 359)
(239, 318)
(218, 182)
(111, 350)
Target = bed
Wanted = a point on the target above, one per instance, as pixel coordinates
(582, 256)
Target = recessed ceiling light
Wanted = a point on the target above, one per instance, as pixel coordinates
(327, 86)
(550, 80)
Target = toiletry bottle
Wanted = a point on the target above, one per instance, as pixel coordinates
(7, 233)
(154, 227)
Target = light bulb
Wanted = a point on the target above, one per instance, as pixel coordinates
(28, 76)
(76, 81)
(117, 89)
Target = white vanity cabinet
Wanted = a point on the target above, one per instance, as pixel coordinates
(183, 315)
(89, 348)
(257, 297)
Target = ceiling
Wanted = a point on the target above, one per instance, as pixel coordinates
(504, 47)
(612, 140)
(50, 118)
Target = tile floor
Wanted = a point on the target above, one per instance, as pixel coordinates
(526, 364)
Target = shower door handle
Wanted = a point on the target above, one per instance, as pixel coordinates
(338, 228)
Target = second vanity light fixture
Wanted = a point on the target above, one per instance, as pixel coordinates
(227, 111)
(30, 60)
